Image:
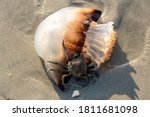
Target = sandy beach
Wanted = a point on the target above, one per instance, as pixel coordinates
(22, 75)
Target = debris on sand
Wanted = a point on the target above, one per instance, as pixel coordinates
(76, 93)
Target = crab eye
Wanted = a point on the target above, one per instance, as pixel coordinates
(75, 55)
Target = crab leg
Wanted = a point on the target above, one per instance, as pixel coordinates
(65, 51)
(66, 78)
(64, 66)
(57, 70)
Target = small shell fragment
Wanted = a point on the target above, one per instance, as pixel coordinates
(76, 93)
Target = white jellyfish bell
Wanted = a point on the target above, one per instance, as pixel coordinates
(69, 37)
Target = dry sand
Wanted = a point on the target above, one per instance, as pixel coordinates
(23, 77)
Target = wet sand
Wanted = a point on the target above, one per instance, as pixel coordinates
(23, 77)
